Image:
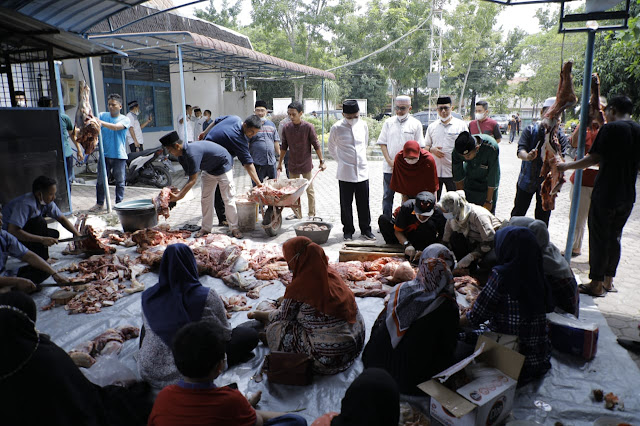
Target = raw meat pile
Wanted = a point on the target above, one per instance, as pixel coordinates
(372, 279)
(94, 297)
(160, 235)
(107, 343)
(551, 151)
(113, 236)
(107, 268)
(276, 192)
(216, 261)
(235, 304)
(469, 288)
(93, 244)
(313, 227)
(162, 201)
(88, 129)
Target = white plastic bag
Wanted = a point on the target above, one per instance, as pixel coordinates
(109, 370)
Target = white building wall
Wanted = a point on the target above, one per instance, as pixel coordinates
(280, 105)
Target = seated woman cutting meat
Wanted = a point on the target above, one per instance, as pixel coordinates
(414, 171)
(516, 299)
(556, 269)
(415, 336)
(318, 315)
(176, 300)
(469, 231)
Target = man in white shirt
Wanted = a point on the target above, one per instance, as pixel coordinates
(440, 139)
(348, 140)
(134, 135)
(395, 132)
(190, 123)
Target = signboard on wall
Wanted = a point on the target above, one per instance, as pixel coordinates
(30, 146)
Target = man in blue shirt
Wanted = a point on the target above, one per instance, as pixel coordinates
(114, 141)
(265, 145)
(24, 217)
(231, 133)
(529, 180)
(215, 165)
(28, 276)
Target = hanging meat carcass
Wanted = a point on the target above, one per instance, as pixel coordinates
(88, 128)
(596, 112)
(551, 151)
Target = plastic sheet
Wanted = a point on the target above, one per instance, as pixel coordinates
(567, 387)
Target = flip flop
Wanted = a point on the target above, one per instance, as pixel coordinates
(585, 289)
(190, 228)
(613, 289)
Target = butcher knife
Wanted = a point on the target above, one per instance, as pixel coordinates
(68, 240)
(61, 285)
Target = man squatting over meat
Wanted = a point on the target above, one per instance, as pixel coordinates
(216, 166)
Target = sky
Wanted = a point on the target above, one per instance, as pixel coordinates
(520, 16)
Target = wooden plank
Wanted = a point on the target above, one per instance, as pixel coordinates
(348, 255)
(358, 244)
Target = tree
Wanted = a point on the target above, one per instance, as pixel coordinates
(227, 17)
(471, 45)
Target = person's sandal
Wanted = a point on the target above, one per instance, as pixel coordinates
(97, 208)
(201, 233)
(588, 290)
(237, 234)
(611, 288)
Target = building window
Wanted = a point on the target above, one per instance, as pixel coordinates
(146, 82)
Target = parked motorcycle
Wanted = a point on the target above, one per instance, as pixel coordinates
(150, 167)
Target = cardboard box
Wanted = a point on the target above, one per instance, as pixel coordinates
(574, 336)
(485, 401)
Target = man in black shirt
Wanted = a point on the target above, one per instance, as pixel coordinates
(617, 151)
(417, 224)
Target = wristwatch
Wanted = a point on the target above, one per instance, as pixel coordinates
(321, 161)
(488, 201)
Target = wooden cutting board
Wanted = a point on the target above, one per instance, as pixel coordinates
(61, 297)
(369, 251)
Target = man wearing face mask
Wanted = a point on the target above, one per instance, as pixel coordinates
(416, 225)
(348, 140)
(134, 135)
(20, 99)
(483, 124)
(264, 147)
(396, 131)
(440, 139)
(24, 217)
(476, 169)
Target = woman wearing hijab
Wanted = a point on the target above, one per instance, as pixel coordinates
(40, 384)
(469, 231)
(556, 269)
(415, 336)
(318, 315)
(516, 299)
(176, 300)
(371, 400)
(414, 171)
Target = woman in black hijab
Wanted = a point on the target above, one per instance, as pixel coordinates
(372, 399)
(40, 384)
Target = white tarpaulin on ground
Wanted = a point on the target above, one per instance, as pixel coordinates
(567, 387)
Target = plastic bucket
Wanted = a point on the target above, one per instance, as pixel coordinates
(137, 214)
(247, 214)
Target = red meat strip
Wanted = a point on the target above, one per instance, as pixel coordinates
(88, 129)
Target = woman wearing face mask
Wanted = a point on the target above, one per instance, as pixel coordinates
(318, 315)
(470, 230)
(414, 171)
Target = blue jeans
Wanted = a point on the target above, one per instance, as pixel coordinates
(68, 163)
(266, 171)
(287, 420)
(387, 198)
(116, 169)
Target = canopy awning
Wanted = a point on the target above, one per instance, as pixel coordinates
(76, 16)
(206, 51)
(20, 33)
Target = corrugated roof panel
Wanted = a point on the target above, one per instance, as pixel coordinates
(70, 15)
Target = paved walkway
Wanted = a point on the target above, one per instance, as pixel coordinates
(621, 309)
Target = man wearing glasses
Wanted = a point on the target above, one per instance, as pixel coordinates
(440, 139)
(397, 130)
